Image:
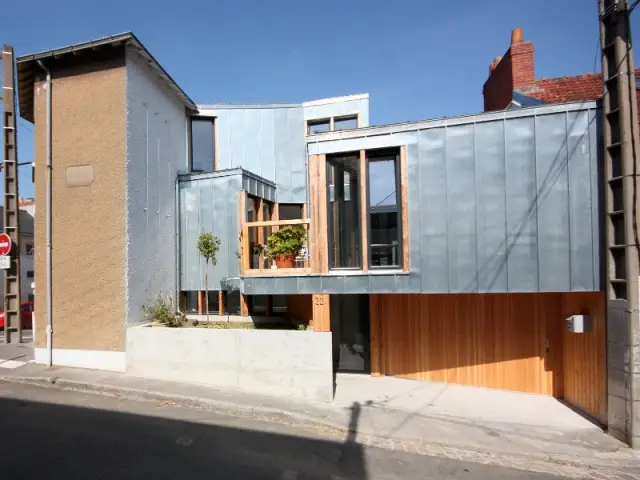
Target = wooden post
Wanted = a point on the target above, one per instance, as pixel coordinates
(200, 302)
(404, 207)
(364, 215)
(276, 215)
(244, 305)
(181, 301)
(242, 212)
(261, 239)
(321, 313)
(321, 232)
(220, 303)
(304, 216)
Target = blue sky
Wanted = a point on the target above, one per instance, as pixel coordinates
(416, 58)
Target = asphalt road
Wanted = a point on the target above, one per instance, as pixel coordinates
(48, 433)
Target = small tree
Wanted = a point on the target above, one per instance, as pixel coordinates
(208, 246)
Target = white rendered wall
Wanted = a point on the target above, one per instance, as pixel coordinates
(273, 362)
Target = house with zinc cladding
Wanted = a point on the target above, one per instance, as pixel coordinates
(450, 249)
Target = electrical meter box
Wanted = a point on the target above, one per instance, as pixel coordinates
(579, 323)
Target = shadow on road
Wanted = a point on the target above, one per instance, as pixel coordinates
(42, 440)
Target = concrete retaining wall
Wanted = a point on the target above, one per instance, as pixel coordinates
(272, 362)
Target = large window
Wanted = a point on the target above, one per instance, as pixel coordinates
(202, 144)
(385, 245)
(343, 214)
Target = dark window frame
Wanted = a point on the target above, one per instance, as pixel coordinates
(345, 118)
(213, 121)
(380, 155)
(318, 121)
(358, 202)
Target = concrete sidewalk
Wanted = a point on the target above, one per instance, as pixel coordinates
(474, 424)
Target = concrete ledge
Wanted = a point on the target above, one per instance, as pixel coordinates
(272, 362)
(93, 359)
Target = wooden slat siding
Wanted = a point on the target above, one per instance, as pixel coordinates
(300, 308)
(377, 369)
(404, 208)
(321, 313)
(585, 368)
(181, 301)
(323, 257)
(244, 305)
(242, 209)
(200, 302)
(485, 340)
(220, 303)
(364, 217)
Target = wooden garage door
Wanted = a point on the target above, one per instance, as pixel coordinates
(506, 341)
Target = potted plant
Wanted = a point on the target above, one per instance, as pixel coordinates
(284, 245)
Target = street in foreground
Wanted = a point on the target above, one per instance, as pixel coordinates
(49, 433)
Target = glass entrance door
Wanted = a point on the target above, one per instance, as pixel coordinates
(343, 214)
(350, 333)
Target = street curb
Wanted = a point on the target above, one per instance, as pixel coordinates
(274, 415)
(215, 406)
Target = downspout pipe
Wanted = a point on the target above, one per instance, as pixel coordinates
(48, 269)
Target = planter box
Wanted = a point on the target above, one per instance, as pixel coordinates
(272, 362)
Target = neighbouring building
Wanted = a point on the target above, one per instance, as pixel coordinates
(27, 212)
(446, 249)
(512, 81)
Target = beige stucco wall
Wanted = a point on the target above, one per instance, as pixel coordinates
(89, 112)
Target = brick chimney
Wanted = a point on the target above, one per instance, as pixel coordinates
(513, 70)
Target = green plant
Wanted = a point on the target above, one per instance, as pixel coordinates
(208, 246)
(286, 241)
(162, 310)
(302, 326)
(195, 322)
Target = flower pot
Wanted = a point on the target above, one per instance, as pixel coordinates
(285, 261)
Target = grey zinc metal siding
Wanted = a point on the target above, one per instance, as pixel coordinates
(347, 107)
(498, 202)
(267, 141)
(209, 203)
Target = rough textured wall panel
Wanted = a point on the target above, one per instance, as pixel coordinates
(156, 153)
(89, 223)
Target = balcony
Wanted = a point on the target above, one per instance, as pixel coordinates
(255, 261)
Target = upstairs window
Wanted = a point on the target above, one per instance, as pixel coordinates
(318, 126)
(385, 245)
(203, 144)
(345, 123)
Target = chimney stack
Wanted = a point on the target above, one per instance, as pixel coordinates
(517, 36)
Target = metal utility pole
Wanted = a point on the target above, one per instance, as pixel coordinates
(12, 323)
(622, 190)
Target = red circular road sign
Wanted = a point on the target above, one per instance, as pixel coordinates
(5, 244)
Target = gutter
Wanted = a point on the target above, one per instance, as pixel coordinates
(48, 266)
